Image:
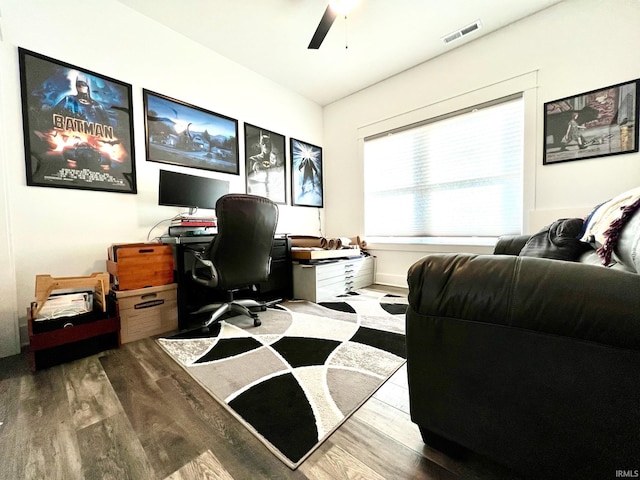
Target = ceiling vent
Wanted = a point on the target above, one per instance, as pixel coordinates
(462, 32)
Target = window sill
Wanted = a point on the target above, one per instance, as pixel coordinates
(452, 241)
(479, 245)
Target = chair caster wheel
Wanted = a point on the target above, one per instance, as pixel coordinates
(256, 322)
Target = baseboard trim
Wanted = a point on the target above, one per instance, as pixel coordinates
(391, 280)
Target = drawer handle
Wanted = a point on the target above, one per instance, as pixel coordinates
(149, 295)
(145, 250)
(67, 325)
(148, 304)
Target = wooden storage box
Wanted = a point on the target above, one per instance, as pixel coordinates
(147, 311)
(140, 265)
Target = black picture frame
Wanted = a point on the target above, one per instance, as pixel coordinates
(593, 124)
(265, 163)
(306, 174)
(75, 138)
(179, 133)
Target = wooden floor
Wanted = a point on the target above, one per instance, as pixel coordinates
(133, 413)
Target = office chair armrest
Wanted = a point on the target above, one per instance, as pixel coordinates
(210, 279)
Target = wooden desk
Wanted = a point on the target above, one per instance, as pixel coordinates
(192, 296)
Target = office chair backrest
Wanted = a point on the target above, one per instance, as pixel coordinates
(241, 251)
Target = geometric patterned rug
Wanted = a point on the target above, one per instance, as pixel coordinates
(296, 378)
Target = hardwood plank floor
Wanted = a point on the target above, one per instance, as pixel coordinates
(133, 413)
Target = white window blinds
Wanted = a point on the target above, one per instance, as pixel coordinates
(453, 176)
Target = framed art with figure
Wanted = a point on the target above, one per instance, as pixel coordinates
(78, 127)
(182, 134)
(593, 124)
(306, 174)
(265, 163)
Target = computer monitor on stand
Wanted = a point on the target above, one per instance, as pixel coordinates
(190, 191)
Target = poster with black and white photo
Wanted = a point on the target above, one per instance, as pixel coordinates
(265, 163)
(592, 124)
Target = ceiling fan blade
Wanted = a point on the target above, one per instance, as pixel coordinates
(323, 28)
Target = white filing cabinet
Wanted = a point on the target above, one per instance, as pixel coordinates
(322, 281)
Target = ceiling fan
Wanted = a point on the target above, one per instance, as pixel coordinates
(334, 8)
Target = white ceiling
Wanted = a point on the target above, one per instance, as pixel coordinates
(384, 37)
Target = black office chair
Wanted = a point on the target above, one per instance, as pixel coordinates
(239, 257)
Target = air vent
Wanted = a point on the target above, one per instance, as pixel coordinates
(452, 37)
(462, 32)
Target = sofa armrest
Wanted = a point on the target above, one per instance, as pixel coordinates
(550, 296)
(510, 244)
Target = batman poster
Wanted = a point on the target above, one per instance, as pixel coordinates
(78, 127)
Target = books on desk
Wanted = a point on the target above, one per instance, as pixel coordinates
(194, 221)
(192, 226)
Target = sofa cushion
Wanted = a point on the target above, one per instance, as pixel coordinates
(510, 244)
(568, 299)
(558, 241)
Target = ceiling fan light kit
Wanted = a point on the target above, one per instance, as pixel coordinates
(343, 7)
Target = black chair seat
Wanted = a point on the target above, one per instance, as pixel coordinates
(239, 256)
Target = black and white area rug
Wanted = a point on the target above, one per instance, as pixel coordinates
(296, 378)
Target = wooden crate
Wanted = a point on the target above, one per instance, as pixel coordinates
(147, 311)
(140, 265)
(46, 284)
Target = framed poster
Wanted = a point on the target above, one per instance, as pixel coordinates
(78, 127)
(181, 134)
(306, 174)
(265, 163)
(592, 124)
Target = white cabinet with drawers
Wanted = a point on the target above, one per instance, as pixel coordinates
(319, 282)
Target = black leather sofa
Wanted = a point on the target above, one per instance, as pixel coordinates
(531, 361)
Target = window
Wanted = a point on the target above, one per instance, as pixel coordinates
(458, 175)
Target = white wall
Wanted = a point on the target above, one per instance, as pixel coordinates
(66, 232)
(9, 335)
(573, 47)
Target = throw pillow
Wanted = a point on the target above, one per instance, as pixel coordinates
(558, 241)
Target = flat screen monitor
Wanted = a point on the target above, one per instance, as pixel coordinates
(192, 191)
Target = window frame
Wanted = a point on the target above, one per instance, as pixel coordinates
(524, 85)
